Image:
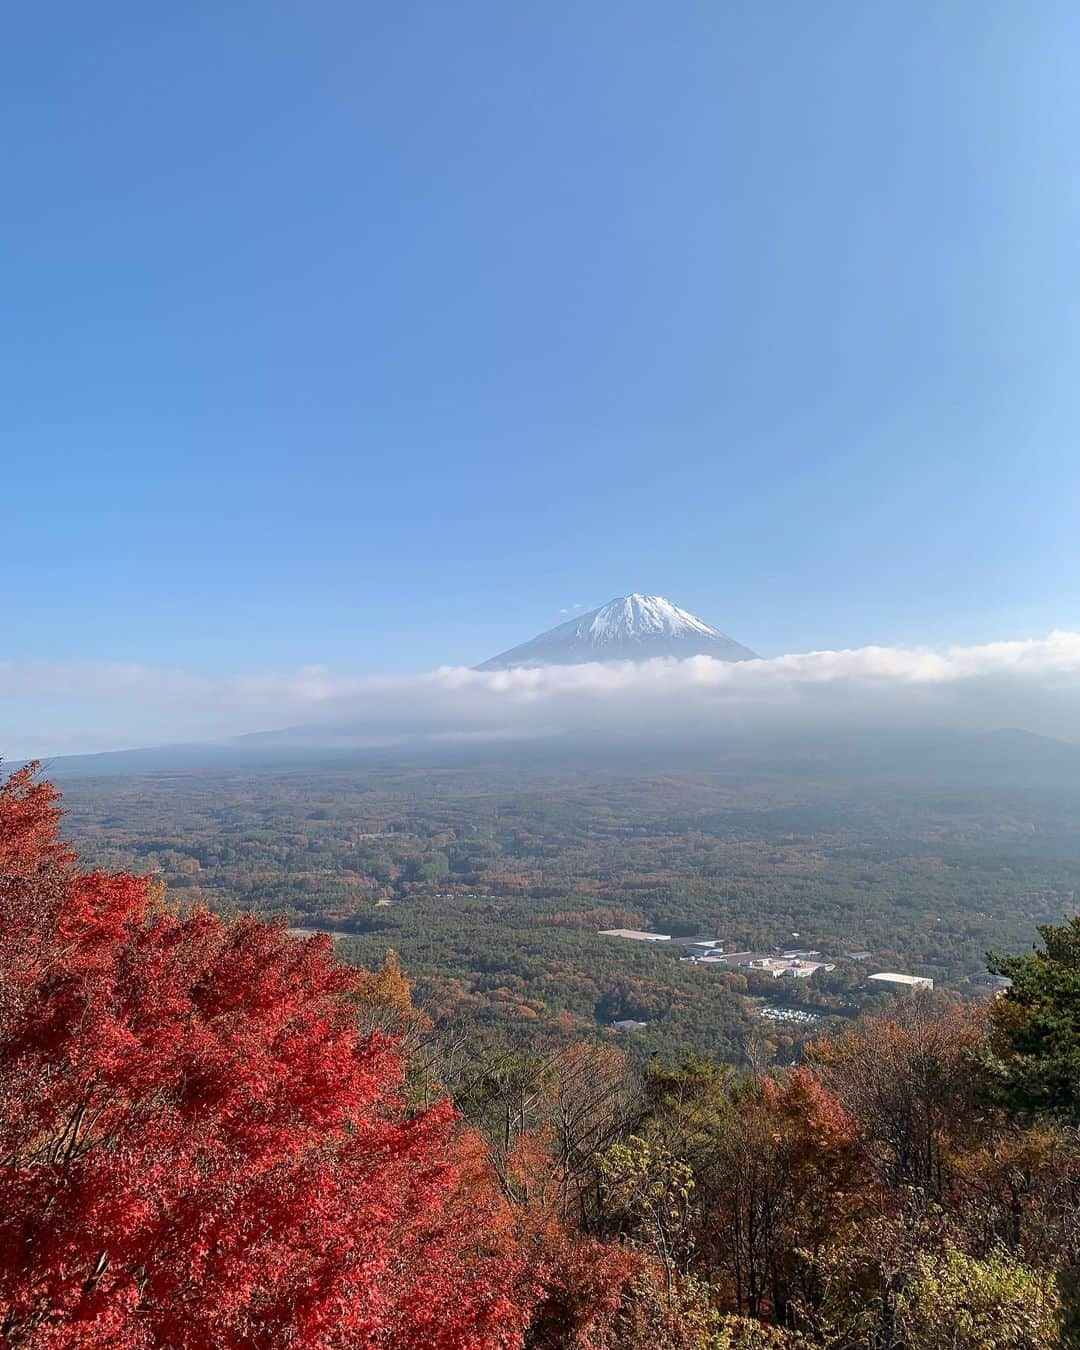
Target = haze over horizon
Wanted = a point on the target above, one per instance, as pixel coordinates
(1031, 685)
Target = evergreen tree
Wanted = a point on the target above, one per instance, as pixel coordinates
(1036, 1024)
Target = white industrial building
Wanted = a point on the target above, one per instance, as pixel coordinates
(635, 934)
(707, 948)
(904, 981)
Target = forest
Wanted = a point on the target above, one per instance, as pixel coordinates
(490, 880)
(216, 1133)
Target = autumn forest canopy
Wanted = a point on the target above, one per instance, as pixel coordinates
(216, 1133)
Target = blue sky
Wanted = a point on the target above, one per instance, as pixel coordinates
(372, 336)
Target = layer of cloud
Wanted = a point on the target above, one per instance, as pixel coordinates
(51, 708)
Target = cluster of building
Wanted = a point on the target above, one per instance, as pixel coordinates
(790, 964)
(785, 967)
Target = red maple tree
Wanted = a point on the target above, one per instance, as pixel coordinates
(198, 1148)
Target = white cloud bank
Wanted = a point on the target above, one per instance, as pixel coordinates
(64, 708)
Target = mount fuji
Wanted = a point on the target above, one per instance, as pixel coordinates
(629, 628)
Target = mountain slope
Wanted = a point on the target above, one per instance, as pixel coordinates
(629, 628)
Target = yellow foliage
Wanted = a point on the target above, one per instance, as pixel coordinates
(386, 989)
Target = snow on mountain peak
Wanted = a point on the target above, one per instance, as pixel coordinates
(637, 615)
(629, 628)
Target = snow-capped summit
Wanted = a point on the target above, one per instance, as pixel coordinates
(629, 628)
